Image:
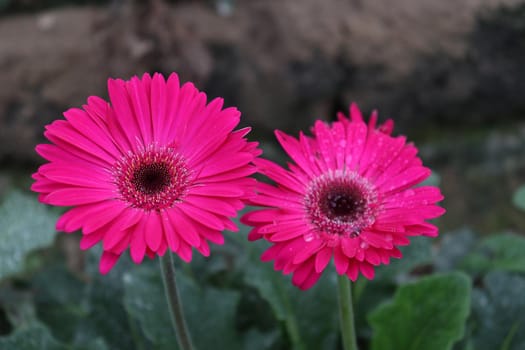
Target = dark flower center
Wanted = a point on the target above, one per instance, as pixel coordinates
(153, 179)
(344, 203)
(341, 203)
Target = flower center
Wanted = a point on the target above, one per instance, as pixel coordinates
(341, 203)
(153, 179)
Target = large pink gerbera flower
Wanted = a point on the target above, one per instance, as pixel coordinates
(156, 168)
(349, 196)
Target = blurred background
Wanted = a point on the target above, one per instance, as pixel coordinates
(450, 73)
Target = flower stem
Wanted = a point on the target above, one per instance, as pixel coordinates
(174, 302)
(346, 313)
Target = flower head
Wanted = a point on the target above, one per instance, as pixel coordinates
(155, 168)
(349, 195)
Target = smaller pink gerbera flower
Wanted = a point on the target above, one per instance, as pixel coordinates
(155, 168)
(349, 196)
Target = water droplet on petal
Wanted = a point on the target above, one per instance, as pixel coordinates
(309, 237)
(408, 193)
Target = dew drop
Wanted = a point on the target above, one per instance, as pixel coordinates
(408, 193)
(308, 237)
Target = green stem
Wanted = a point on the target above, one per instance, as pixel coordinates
(346, 313)
(358, 288)
(290, 321)
(174, 302)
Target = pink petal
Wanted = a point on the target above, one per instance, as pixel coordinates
(77, 196)
(202, 216)
(119, 227)
(103, 214)
(310, 281)
(89, 241)
(158, 106)
(326, 145)
(349, 246)
(271, 253)
(216, 190)
(353, 270)
(154, 231)
(372, 256)
(278, 174)
(214, 205)
(294, 150)
(107, 261)
(184, 227)
(138, 95)
(123, 113)
(303, 272)
(204, 248)
(185, 252)
(170, 232)
(341, 260)
(367, 270)
(322, 258)
(137, 248)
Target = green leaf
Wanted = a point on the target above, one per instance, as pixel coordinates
(60, 301)
(317, 312)
(519, 198)
(18, 305)
(498, 252)
(498, 312)
(312, 312)
(26, 225)
(34, 336)
(107, 318)
(368, 294)
(428, 314)
(84, 311)
(91, 344)
(256, 340)
(269, 283)
(209, 312)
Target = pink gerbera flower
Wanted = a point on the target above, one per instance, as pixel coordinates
(155, 168)
(350, 195)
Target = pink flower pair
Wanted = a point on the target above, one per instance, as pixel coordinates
(159, 168)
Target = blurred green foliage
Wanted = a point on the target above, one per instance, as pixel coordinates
(427, 314)
(460, 292)
(26, 225)
(519, 198)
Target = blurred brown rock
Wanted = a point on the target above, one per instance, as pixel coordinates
(283, 63)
